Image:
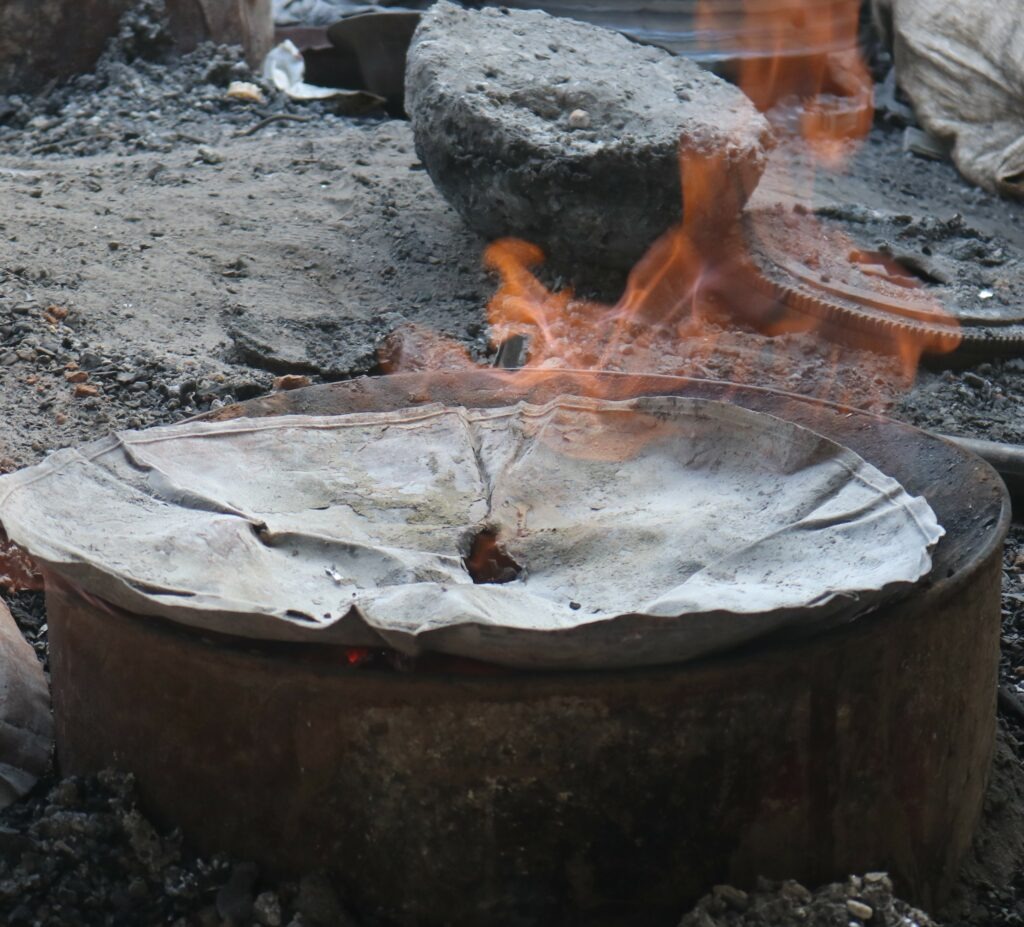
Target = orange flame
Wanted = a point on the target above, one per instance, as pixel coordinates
(678, 312)
(803, 50)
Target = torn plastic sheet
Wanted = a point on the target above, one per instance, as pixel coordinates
(648, 531)
(285, 68)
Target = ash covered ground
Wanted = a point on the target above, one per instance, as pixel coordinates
(165, 250)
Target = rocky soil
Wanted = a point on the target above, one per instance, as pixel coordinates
(165, 248)
(864, 899)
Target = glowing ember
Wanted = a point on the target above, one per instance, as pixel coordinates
(487, 561)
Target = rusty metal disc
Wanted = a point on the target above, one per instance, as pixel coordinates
(892, 282)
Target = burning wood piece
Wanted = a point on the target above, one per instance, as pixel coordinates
(512, 352)
(568, 135)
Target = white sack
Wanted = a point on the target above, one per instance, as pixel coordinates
(650, 531)
(961, 62)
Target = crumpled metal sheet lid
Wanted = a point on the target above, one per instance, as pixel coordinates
(647, 531)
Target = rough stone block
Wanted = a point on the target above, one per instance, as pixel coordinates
(569, 135)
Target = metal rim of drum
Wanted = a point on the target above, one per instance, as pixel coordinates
(541, 797)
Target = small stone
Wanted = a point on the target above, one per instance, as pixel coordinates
(85, 391)
(235, 898)
(65, 794)
(209, 155)
(860, 910)
(26, 354)
(579, 119)
(879, 878)
(291, 381)
(318, 903)
(794, 891)
(245, 91)
(76, 376)
(267, 910)
(735, 898)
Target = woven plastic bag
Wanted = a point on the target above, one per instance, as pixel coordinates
(961, 62)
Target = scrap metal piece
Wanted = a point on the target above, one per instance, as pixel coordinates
(890, 282)
(379, 42)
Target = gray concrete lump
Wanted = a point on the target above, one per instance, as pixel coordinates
(569, 135)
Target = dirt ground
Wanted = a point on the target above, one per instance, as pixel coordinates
(156, 261)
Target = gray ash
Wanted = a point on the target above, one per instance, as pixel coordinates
(81, 853)
(139, 98)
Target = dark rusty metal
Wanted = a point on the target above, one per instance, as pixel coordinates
(1006, 459)
(379, 41)
(601, 797)
(860, 316)
(44, 40)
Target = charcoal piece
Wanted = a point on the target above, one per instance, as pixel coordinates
(569, 135)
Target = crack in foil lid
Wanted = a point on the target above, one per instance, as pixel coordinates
(647, 531)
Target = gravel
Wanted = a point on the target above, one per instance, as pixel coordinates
(866, 899)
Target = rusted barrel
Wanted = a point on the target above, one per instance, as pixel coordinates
(43, 40)
(605, 798)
